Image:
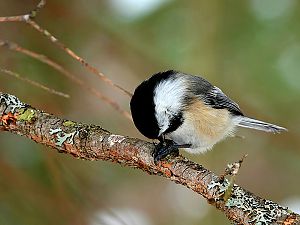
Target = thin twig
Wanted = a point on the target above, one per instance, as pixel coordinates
(76, 57)
(231, 169)
(28, 18)
(24, 18)
(42, 58)
(34, 83)
(34, 12)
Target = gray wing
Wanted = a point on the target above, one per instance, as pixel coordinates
(217, 99)
(212, 95)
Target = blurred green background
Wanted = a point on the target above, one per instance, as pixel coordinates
(250, 49)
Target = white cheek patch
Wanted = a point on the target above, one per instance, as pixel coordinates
(168, 97)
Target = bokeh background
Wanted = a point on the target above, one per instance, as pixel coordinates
(250, 49)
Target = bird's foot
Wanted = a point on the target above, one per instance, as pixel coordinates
(165, 148)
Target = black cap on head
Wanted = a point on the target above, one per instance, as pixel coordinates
(142, 105)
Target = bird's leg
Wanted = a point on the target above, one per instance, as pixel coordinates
(166, 147)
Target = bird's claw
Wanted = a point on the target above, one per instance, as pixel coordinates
(165, 148)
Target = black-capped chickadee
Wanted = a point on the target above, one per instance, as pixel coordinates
(186, 111)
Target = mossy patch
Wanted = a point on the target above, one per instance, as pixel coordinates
(26, 114)
(69, 123)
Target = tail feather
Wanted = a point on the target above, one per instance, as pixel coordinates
(260, 125)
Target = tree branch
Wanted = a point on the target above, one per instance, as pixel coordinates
(91, 142)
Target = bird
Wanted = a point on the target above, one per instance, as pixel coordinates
(187, 112)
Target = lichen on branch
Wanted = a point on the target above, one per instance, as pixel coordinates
(91, 142)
